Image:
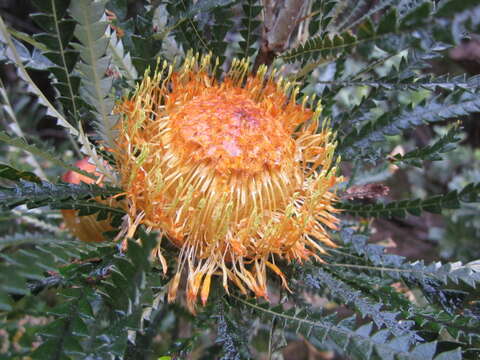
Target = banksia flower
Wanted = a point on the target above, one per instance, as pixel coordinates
(235, 173)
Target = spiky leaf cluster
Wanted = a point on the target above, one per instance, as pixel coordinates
(59, 27)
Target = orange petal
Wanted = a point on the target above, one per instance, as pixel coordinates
(206, 288)
(173, 287)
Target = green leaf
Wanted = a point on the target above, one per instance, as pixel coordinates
(395, 121)
(416, 18)
(376, 286)
(24, 238)
(432, 152)
(449, 7)
(45, 193)
(32, 60)
(317, 279)
(37, 254)
(450, 355)
(222, 24)
(95, 85)
(51, 110)
(32, 87)
(250, 24)
(187, 30)
(360, 6)
(436, 204)
(133, 272)
(388, 23)
(59, 32)
(47, 155)
(358, 342)
(231, 335)
(63, 336)
(394, 266)
(332, 45)
(120, 57)
(10, 173)
(399, 79)
(147, 41)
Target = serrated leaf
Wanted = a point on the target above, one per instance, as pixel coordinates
(59, 34)
(450, 200)
(450, 355)
(10, 173)
(450, 7)
(20, 143)
(392, 123)
(90, 31)
(431, 152)
(250, 26)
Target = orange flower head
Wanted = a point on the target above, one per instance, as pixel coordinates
(235, 173)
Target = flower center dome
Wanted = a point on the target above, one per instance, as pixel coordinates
(229, 130)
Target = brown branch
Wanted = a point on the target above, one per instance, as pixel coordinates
(281, 18)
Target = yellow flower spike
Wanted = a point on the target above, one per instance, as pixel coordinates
(234, 172)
